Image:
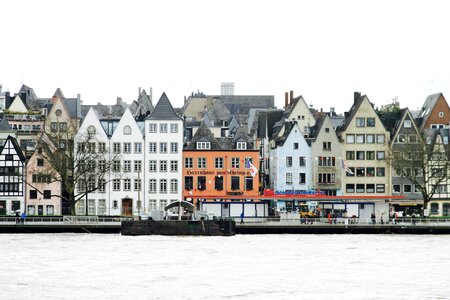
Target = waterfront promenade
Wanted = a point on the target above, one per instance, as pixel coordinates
(94, 224)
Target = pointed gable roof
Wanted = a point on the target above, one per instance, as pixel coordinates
(203, 133)
(316, 128)
(218, 112)
(428, 107)
(59, 93)
(404, 114)
(164, 110)
(16, 147)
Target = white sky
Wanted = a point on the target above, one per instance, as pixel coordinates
(323, 50)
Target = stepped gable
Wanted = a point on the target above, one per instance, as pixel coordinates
(164, 110)
(203, 134)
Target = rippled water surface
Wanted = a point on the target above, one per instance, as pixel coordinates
(89, 266)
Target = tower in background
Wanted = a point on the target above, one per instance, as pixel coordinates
(227, 89)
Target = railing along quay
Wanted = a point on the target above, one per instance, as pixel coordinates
(342, 221)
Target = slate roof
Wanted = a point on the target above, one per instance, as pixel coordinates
(104, 111)
(163, 110)
(358, 99)
(203, 133)
(71, 105)
(218, 112)
(316, 128)
(59, 93)
(242, 103)
(4, 125)
(279, 140)
(265, 122)
(427, 108)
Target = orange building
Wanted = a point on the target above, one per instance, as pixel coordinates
(219, 167)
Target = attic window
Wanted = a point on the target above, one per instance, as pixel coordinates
(58, 112)
(203, 145)
(127, 130)
(241, 146)
(91, 130)
(441, 114)
(407, 124)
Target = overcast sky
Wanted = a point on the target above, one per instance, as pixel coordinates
(323, 50)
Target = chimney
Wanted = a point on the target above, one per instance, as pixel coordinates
(139, 92)
(356, 96)
(0, 88)
(286, 100)
(150, 94)
(79, 103)
(291, 96)
(119, 100)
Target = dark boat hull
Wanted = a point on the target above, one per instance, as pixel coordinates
(151, 227)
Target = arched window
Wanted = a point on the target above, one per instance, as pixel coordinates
(127, 130)
(91, 130)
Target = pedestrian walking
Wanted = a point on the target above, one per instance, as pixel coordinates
(242, 217)
(381, 220)
(329, 218)
(373, 217)
(413, 218)
(17, 217)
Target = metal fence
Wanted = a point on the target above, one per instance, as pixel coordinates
(344, 221)
(63, 220)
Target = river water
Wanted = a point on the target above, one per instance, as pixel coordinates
(94, 266)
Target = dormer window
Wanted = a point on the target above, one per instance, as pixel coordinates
(204, 145)
(241, 146)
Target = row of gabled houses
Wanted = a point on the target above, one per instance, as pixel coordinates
(208, 151)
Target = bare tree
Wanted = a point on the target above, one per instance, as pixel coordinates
(424, 163)
(78, 162)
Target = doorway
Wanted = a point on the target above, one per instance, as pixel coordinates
(40, 210)
(127, 207)
(2, 208)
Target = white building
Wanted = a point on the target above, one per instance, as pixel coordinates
(163, 156)
(145, 172)
(290, 159)
(12, 165)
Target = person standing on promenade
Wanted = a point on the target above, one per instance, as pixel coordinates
(242, 217)
(17, 217)
(329, 218)
(22, 218)
(373, 218)
(382, 221)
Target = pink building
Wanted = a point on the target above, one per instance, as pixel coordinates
(42, 190)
